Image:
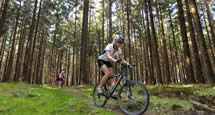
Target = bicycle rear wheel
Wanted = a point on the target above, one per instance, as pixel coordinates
(133, 98)
(99, 100)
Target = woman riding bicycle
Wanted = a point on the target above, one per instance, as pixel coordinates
(107, 56)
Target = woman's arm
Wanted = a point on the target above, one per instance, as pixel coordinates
(123, 60)
(109, 57)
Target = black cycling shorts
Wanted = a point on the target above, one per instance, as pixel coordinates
(102, 62)
(61, 79)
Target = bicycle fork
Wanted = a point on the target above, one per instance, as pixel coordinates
(129, 92)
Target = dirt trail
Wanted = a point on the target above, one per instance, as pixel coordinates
(111, 105)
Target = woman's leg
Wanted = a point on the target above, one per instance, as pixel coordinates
(108, 72)
(111, 73)
(59, 84)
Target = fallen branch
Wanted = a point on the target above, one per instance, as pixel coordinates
(204, 106)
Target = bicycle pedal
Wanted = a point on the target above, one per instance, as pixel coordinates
(97, 96)
(130, 97)
(114, 97)
(100, 94)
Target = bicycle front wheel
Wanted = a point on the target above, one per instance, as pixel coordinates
(133, 98)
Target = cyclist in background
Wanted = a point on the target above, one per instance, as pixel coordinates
(57, 79)
(62, 77)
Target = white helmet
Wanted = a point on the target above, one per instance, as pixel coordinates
(119, 38)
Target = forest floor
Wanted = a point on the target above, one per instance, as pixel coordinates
(24, 99)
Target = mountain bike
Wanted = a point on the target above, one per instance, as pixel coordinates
(132, 97)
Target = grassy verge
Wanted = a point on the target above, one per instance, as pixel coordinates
(24, 99)
(175, 98)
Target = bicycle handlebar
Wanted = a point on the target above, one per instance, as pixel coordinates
(129, 66)
(118, 61)
(125, 65)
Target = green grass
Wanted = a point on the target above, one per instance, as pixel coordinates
(198, 90)
(23, 99)
(205, 92)
(166, 104)
(170, 97)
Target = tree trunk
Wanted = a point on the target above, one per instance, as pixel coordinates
(3, 17)
(32, 62)
(53, 63)
(142, 57)
(110, 21)
(197, 63)
(22, 54)
(149, 48)
(174, 42)
(1, 8)
(68, 66)
(100, 40)
(147, 59)
(5, 78)
(203, 106)
(74, 52)
(210, 20)
(19, 53)
(129, 39)
(136, 58)
(172, 65)
(103, 23)
(2, 53)
(156, 61)
(42, 63)
(77, 68)
(89, 49)
(163, 44)
(84, 35)
(210, 46)
(207, 67)
(186, 51)
(39, 58)
(11, 58)
(28, 55)
(122, 15)
(208, 34)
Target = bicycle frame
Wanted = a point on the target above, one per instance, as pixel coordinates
(122, 75)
